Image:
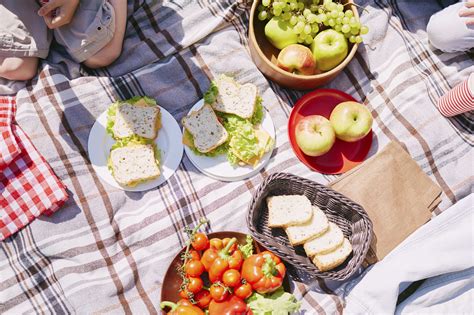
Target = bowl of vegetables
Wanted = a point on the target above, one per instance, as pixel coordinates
(302, 44)
(225, 273)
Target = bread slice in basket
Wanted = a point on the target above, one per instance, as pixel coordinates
(286, 210)
(326, 242)
(331, 260)
(207, 131)
(298, 234)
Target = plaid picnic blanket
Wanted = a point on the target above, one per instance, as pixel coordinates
(106, 251)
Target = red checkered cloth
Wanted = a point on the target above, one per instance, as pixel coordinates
(28, 186)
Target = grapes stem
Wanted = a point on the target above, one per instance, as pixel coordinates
(360, 7)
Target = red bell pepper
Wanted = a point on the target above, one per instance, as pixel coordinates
(264, 272)
(183, 307)
(233, 305)
(216, 262)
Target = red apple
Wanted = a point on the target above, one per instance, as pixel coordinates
(297, 59)
(314, 135)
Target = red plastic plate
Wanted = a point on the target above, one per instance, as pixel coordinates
(343, 156)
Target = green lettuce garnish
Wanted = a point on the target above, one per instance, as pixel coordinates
(275, 303)
(211, 94)
(257, 117)
(112, 111)
(247, 249)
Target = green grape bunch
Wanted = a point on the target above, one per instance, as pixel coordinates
(309, 17)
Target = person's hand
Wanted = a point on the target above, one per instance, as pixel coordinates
(468, 12)
(57, 13)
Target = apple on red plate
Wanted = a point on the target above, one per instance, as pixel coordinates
(311, 129)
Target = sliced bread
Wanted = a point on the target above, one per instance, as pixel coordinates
(298, 234)
(331, 260)
(207, 131)
(325, 243)
(133, 164)
(288, 210)
(233, 98)
(136, 119)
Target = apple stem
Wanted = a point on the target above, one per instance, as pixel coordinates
(364, 9)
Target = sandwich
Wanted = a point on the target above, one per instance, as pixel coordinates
(228, 96)
(137, 117)
(133, 161)
(239, 111)
(203, 131)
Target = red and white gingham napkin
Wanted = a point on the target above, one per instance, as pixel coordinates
(28, 186)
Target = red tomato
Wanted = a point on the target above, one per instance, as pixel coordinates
(203, 298)
(194, 268)
(218, 292)
(195, 285)
(231, 278)
(243, 291)
(200, 241)
(194, 255)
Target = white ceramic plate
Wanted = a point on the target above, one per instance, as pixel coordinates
(168, 141)
(218, 167)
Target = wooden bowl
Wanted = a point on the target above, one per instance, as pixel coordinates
(264, 55)
(172, 281)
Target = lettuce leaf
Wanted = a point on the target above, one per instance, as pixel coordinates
(211, 94)
(112, 110)
(247, 249)
(275, 303)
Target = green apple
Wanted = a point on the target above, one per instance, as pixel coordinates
(351, 121)
(280, 33)
(297, 59)
(329, 49)
(314, 135)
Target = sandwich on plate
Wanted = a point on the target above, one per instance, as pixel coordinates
(234, 129)
(134, 123)
(133, 161)
(137, 117)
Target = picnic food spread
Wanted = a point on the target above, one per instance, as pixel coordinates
(224, 115)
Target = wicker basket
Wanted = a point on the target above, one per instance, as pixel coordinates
(348, 215)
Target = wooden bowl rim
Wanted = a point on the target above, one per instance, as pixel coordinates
(262, 56)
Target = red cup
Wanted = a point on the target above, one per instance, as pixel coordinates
(459, 100)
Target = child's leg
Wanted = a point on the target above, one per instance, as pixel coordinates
(448, 31)
(24, 38)
(112, 50)
(18, 68)
(95, 34)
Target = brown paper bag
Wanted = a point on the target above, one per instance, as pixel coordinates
(396, 194)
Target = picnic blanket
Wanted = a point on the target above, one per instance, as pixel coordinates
(106, 250)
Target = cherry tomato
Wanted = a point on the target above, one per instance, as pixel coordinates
(218, 292)
(195, 285)
(184, 294)
(231, 278)
(225, 241)
(200, 241)
(243, 291)
(203, 298)
(216, 243)
(194, 255)
(194, 268)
